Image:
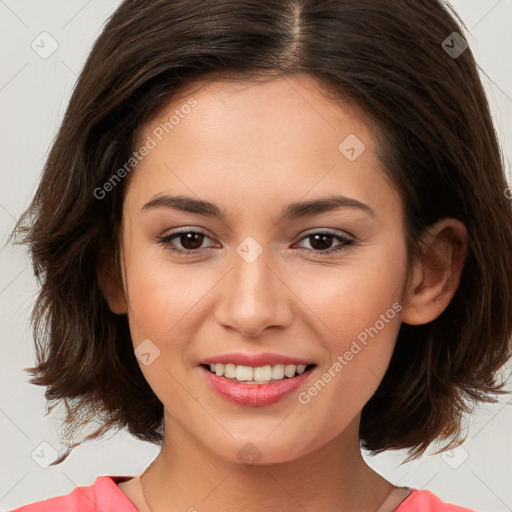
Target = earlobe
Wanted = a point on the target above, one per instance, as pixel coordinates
(436, 275)
(111, 285)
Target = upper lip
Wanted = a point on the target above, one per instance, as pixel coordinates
(255, 360)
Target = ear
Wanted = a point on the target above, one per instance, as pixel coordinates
(109, 276)
(436, 275)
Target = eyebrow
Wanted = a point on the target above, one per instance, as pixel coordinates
(292, 211)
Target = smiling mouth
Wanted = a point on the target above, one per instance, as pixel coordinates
(257, 375)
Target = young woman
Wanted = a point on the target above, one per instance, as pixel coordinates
(266, 231)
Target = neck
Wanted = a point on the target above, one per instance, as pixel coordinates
(187, 476)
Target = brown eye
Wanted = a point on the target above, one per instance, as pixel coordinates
(321, 243)
(191, 240)
(186, 242)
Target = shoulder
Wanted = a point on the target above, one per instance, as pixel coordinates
(426, 501)
(103, 494)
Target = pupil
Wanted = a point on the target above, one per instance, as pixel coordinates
(324, 245)
(187, 240)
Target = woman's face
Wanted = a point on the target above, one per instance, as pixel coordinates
(254, 274)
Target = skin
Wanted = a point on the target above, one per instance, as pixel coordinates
(252, 149)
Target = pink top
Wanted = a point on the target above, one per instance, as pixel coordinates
(105, 496)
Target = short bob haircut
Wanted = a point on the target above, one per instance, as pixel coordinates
(436, 142)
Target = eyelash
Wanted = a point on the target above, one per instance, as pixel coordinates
(166, 242)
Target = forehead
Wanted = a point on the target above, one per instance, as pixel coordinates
(284, 105)
(283, 136)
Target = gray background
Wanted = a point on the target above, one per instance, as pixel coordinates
(34, 92)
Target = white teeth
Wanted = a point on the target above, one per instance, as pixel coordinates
(258, 375)
(230, 371)
(242, 372)
(290, 370)
(301, 368)
(219, 369)
(278, 371)
(263, 373)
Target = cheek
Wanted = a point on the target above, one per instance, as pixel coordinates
(361, 308)
(352, 297)
(359, 356)
(164, 302)
(161, 295)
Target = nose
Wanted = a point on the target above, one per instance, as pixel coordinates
(254, 297)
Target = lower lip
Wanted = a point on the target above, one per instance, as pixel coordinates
(256, 395)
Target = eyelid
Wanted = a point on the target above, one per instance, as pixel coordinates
(166, 238)
(344, 237)
(345, 240)
(328, 231)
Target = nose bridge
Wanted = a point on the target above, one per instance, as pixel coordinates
(253, 298)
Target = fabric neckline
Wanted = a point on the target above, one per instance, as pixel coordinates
(112, 481)
(407, 500)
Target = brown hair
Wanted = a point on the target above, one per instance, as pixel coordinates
(437, 143)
